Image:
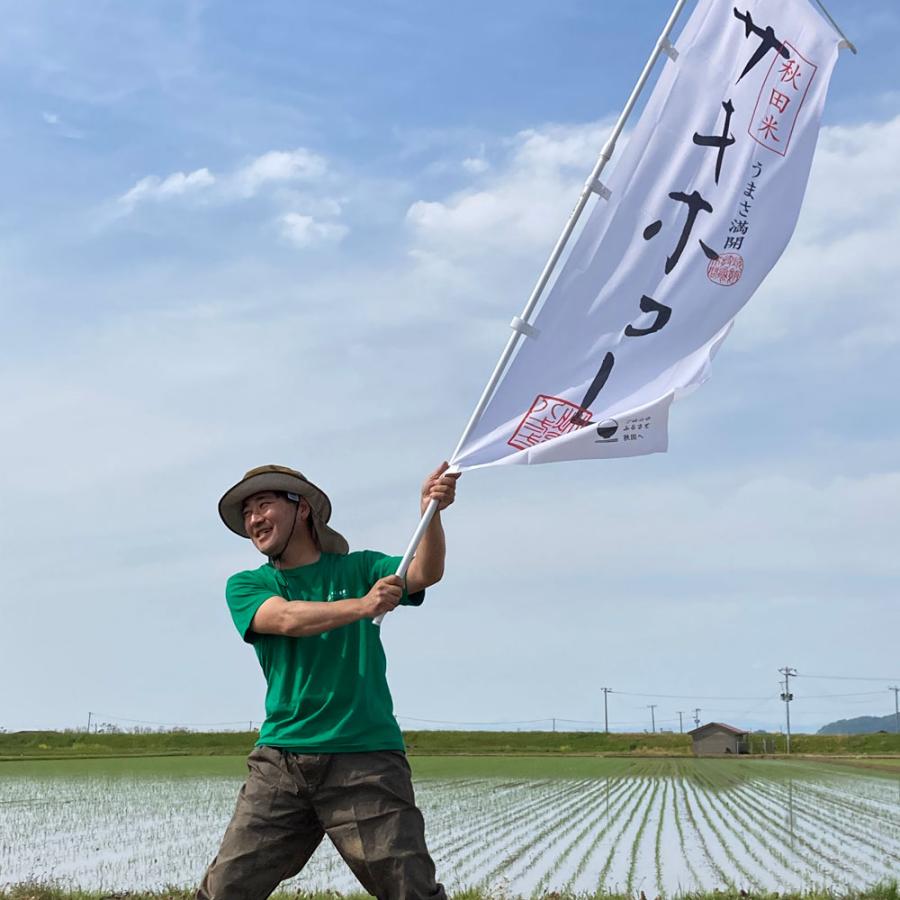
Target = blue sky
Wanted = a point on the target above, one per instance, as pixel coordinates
(296, 233)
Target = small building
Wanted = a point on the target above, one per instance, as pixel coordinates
(717, 738)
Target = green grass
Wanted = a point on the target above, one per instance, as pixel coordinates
(128, 766)
(74, 744)
(716, 773)
(555, 742)
(890, 891)
(513, 767)
(867, 744)
(884, 763)
(49, 744)
(520, 766)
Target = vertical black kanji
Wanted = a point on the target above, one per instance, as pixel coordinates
(768, 42)
(649, 305)
(695, 204)
(710, 140)
(596, 386)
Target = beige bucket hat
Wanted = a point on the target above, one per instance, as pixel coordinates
(281, 478)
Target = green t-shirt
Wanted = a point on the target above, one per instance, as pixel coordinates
(327, 693)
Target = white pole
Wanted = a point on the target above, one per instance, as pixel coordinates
(847, 42)
(592, 185)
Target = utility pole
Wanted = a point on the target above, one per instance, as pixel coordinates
(605, 710)
(554, 724)
(680, 721)
(652, 708)
(697, 717)
(89, 723)
(896, 691)
(787, 696)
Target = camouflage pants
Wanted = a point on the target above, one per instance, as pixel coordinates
(363, 801)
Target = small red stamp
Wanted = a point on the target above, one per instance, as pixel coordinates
(726, 270)
(548, 418)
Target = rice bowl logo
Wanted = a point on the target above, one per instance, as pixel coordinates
(605, 431)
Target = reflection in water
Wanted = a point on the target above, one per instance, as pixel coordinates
(790, 810)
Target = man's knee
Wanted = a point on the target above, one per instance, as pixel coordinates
(270, 837)
(370, 813)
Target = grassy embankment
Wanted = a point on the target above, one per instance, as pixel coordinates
(882, 892)
(453, 766)
(75, 744)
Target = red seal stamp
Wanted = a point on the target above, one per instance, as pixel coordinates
(548, 418)
(726, 270)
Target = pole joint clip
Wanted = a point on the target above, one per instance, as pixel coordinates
(668, 48)
(600, 189)
(523, 327)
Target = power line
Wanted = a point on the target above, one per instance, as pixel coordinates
(758, 702)
(846, 677)
(97, 715)
(756, 707)
(502, 722)
(829, 696)
(685, 696)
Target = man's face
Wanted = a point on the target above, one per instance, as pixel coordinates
(268, 519)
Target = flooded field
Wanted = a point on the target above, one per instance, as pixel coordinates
(662, 826)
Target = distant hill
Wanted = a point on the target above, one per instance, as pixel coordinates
(861, 725)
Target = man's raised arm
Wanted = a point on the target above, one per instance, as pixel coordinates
(427, 568)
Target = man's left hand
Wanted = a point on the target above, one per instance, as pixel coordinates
(440, 485)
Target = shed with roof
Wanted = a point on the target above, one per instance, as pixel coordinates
(717, 738)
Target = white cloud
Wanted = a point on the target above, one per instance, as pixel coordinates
(175, 185)
(62, 128)
(475, 165)
(290, 180)
(837, 279)
(523, 207)
(278, 166)
(304, 231)
(560, 147)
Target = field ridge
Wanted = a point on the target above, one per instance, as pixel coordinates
(79, 744)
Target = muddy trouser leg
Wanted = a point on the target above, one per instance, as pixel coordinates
(272, 834)
(368, 808)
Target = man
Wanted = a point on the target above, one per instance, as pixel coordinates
(330, 756)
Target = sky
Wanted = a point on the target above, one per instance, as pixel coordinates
(295, 233)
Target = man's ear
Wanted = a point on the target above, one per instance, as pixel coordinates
(305, 509)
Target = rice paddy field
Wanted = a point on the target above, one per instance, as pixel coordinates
(505, 825)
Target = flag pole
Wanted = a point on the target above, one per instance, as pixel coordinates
(520, 324)
(846, 42)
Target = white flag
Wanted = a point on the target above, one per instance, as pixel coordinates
(703, 202)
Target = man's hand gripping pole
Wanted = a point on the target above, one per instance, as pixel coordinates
(416, 539)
